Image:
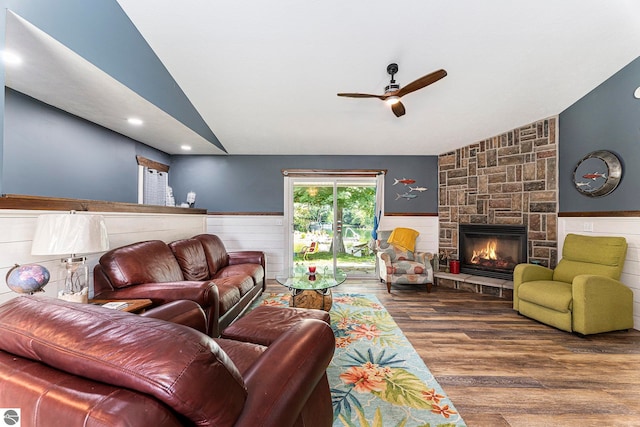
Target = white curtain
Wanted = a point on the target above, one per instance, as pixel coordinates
(379, 202)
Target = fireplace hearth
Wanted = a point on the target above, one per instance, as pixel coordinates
(492, 250)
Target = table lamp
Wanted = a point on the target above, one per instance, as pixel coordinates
(71, 234)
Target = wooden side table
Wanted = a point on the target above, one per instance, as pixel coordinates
(320, 299)
(311, 290)
(133, 305)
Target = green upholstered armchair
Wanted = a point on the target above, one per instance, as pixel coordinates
(582, 294)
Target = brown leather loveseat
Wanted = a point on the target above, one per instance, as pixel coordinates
(69, 364)
(198, 269)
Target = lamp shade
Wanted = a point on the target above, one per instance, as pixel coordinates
(71, 233)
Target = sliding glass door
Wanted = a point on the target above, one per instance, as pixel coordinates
(332, 220)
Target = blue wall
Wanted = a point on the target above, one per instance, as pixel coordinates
(100, 32)
(255, 183)
(3, 14)
(51, 153)
(607, 118)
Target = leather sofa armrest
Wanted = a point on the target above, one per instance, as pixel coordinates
(528, 273)
(281, 381)
(101, 282)
(247, 257)
(205, 293)
(202, 292)
(182, 312)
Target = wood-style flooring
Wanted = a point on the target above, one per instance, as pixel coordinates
(503, 369)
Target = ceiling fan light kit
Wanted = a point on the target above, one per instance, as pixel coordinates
(393, 92)
(392, 100)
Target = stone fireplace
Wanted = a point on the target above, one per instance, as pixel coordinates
(510, 179)
(492, 250)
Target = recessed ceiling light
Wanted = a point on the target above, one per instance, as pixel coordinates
(186, 147)
(134, 121)
(10, 58)
(637, 93)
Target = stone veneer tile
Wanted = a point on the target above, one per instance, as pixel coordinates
(456, 173)
(492, 158)
(534, 222)
(512, 187)
(457, 181)
(483, 185)
(552, 227)
(541, 169)
(545, 154)
(542, 207)
(534, 186)
(500, 203)
(542, 196)
(516, 201)
(511, 160)
(528, 171)
(472, 183)
(551, 173)
(497, 177)
(474, 219)
(507, 151)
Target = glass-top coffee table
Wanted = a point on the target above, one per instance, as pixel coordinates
(311, 290)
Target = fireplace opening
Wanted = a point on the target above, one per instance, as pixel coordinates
(492, 250)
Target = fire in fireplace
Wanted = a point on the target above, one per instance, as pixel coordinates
(492, 250)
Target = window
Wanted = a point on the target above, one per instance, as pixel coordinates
(153, 183)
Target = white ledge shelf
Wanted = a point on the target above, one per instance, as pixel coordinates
(478, 281)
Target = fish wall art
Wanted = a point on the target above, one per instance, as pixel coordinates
(410, 192)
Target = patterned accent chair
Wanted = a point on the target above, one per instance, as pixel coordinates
(400, 266)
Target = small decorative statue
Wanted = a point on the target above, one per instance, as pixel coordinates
(170, 200)
(444, 259)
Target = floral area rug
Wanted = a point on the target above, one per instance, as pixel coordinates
(376, 377)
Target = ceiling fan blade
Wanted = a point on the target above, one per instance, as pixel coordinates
(422, 82)
(398, 109)
(361, 95)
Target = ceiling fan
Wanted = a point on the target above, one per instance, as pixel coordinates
(393, 92)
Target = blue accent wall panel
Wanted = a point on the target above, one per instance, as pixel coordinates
(48, 152)
(100, 32)
(607, 118)
(3, 14)
(255, 184)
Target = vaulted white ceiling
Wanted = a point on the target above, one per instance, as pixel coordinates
(264, 74)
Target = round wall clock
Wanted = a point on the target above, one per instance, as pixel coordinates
(597, 174)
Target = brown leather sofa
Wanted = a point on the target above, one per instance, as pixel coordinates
(198, 269)
(72, 364)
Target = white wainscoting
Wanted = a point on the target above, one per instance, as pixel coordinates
(252, 233)
(17, 228)
(267, 233)
(628, 228)
(427, 226)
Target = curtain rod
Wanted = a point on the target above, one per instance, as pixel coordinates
(333, 172)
